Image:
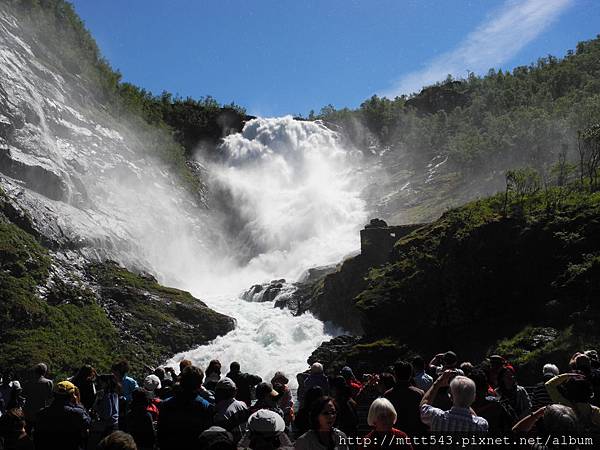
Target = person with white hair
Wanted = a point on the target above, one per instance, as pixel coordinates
(382, 416)
(459, 418)
(539, 394)
(316, 378)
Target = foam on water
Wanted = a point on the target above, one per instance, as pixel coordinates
(296, 194)
(265, 340)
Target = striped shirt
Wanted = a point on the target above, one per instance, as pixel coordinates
(455, 420)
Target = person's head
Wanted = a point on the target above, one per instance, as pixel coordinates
(118, 440)
(549, 371)
(86, 372)
(316, 368)
(279, 378)
(339, 387)
(462, 390)
(225, 389)
(109, 382)
(594, 358)
(65, 391)
(12, 423)
(311, 396)
(191, 379)
(449, 360)
(560, 420)
(40, 370)
(497, 362)
(403, 371)
(506, 379)
(139, 398)
(386, 382)
(6, 375)
(266, 423)
(347, 373)
(120, 368)
(183, 364)
(418, 364)
(216, 438)
(322, 414)
(266, 393)
(152, 383)
(592, 354)
(214, 368)
(234, 367)
(481, 382)
(160, 373)
(582, 363)
(466, 367)
(382, 414)
(578, 389)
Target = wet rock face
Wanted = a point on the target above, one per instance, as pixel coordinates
(77, 170)
(80, 186)
(267, 292)
(146, 312)
(363, 355)
(328, 353)
(34, 177)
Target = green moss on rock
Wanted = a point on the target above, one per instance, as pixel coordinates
(485, 271)
(156, 321)
(533, 347)
(110, 313)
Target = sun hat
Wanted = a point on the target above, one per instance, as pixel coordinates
(64, 388)
(151, 383)
(266, 421)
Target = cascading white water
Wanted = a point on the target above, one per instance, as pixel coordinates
(295, 192)
(287, 191)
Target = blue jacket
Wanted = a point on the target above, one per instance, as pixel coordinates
(181, 419)
(129, 385)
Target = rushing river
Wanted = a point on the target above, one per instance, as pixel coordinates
(294, 193)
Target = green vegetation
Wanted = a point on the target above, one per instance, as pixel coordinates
(32, 330)
(479, 128)
(67, 321)
(168, 318)
(522, 116)
(490, 269)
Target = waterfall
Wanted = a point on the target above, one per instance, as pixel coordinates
(285, 196)
(294, 200)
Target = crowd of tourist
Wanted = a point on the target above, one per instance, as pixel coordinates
(413, 405)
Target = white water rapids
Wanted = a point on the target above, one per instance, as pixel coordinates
(296, 193)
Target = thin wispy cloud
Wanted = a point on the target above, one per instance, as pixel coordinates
(500, 37)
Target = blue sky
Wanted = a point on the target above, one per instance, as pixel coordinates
(278, 57)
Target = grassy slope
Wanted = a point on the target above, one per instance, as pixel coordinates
(478, 276)
(114, 313)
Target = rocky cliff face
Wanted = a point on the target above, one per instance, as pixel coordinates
(333, 296)
(480, 281)
(329, 292)
(80, 184)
